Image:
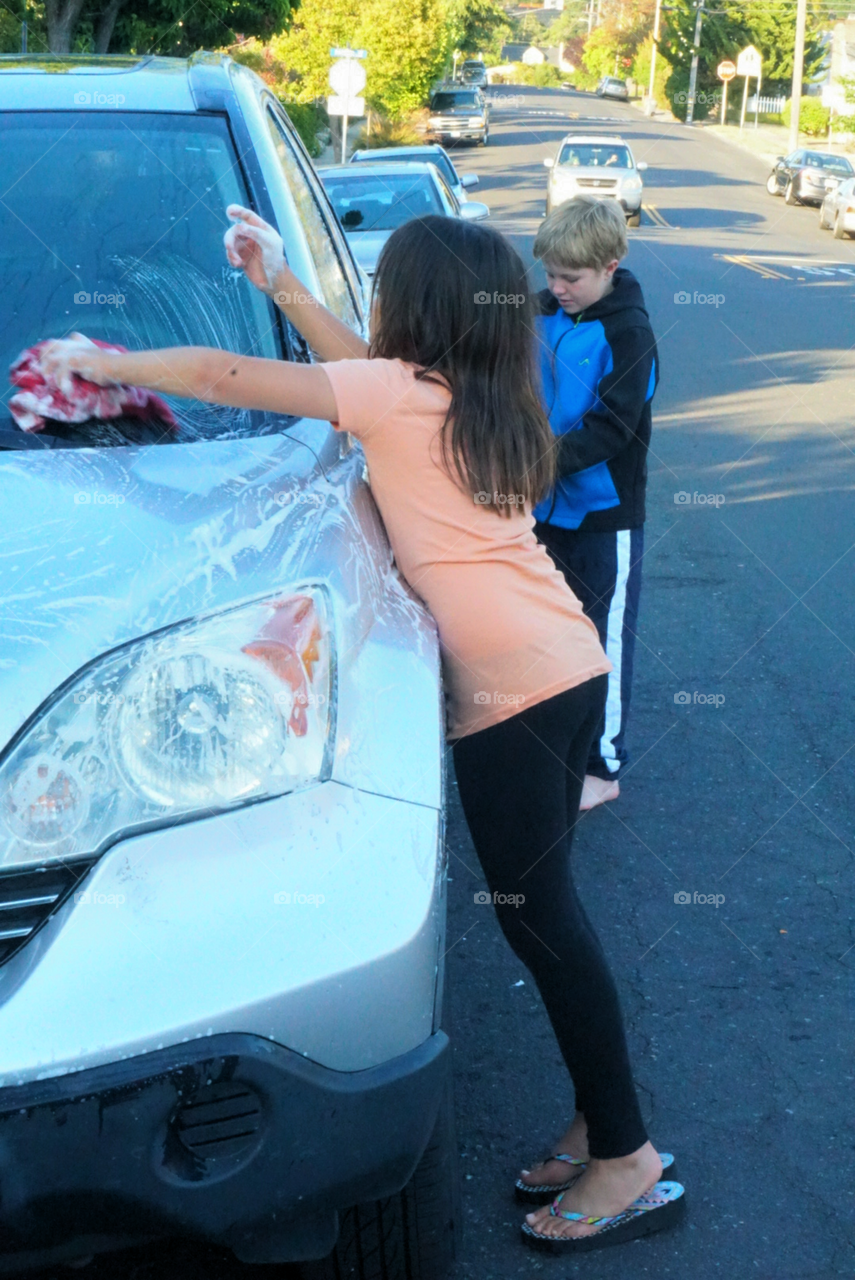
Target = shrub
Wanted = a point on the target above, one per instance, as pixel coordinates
(544, 75)
(383, 132)
(707, 95)
(813, 117)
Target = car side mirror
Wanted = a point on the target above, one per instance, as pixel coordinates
(779, 159)
(474, 211)
(469, 180)
(641, 166)
(549, 162)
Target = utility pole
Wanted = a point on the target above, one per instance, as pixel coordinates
(653, 54)
(590, 16)
(693, 76)
(798, 68)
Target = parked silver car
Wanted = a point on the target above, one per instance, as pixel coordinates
(837, 210)
(432, 153)
(221, 738)
(371, 200)
(612, 87)
(597, 165)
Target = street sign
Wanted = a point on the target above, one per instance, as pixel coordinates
(749, 62)
(351, 107)
(348, 53)
(347, 78)
(726, 70)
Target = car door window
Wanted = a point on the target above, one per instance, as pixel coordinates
(336, 290)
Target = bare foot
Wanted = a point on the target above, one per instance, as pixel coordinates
(597, 791)
(605, 1189)
(573, 1143)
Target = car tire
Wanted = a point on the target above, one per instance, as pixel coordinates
(823, 225)
(411, 1236)
(634, 219)
(790, 194)
(772, 185)
(840, 233)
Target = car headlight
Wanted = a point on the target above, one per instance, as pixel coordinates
(632, 184)
(475, 122)
(196, 719)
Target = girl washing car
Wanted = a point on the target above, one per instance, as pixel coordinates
(445, 404)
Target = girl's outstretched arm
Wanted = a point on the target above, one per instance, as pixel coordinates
(256, 247)
(198, 373)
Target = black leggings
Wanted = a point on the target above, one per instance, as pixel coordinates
(520, 782)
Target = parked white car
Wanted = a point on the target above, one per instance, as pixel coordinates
(597, 165)
(372, 200)
(837, 210)
(430, 153)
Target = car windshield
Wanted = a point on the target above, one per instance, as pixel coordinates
(112, 225)
(373, 203)
(452, 101)
(438, 158)
(587, 154)
(819, 160)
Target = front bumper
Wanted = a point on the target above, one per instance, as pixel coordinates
(630, 203)
(446, 133)
(237, 1141)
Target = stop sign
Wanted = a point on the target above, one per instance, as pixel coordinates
(726, 70)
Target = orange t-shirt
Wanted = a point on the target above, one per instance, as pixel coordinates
(511, 631)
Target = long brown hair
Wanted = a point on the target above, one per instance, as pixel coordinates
(452, 298)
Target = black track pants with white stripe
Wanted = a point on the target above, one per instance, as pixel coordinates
(604, 571)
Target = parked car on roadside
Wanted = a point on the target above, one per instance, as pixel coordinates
(372, 200)
(432, 153)
(612, 87)
(597, 165)
(837, 210)
(474, 72)
(800, 177)
(458, 114)
(221, 733)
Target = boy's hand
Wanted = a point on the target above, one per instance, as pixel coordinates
(256, 247)
(63, 357)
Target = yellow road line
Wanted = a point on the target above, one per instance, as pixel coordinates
(752, 264)
(657, 216)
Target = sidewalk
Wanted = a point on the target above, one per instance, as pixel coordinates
(768, 141)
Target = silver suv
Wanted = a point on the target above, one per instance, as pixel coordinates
(596, 165)
(221, 741)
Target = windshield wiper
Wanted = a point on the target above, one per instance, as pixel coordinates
(11, 440)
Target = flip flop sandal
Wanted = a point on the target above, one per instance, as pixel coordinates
(546, 1191)
(659, 1209)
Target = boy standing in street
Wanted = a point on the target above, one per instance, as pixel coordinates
(599, 368)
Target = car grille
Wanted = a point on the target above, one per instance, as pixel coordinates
(29, 898)
(451, 122)
(602, 184)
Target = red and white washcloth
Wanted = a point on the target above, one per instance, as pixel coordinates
(41, 397)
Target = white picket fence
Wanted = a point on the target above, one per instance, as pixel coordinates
(768, 106)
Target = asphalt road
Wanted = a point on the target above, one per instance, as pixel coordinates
(737, 1013)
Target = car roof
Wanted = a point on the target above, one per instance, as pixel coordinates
(128, 82)
(600, 139)
(380, 170)
(430, 147)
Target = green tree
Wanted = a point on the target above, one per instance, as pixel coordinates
(407, 43)
(173, 27)
(478, 26)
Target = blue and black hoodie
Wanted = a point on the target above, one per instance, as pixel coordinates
(599, 371)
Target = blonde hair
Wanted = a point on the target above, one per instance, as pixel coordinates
(583, 232)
